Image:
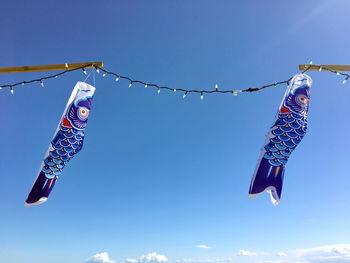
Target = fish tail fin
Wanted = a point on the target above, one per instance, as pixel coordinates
(40, 190)
(267, 178)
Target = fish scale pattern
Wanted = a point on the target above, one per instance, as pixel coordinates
(288, 131)
(67, 143)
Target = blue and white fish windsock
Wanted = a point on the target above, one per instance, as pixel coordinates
(66, 143)
(283, 137)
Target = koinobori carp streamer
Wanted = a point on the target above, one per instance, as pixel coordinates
(66, 143)
(283, 137)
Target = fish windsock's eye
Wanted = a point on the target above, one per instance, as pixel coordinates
(83, 113)
(302, 100)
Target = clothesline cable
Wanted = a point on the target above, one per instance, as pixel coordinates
(185, 92)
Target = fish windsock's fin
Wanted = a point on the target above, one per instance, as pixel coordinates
(40, 190)
(267, 178)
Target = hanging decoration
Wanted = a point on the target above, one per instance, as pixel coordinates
(133, 82)
(304, 68)
(67, 142)
(283, 137)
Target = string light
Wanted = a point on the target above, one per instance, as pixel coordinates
(104, 74)
(66, 65)
(320, 69)
(42, 83)
(347, 76)
(186, 91)
(131, 81)
(84, 71)
(97, 68)
(345, 80)
(159, 88)
(41, 80)
(11, 90)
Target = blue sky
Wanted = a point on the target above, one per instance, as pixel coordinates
(159, 173)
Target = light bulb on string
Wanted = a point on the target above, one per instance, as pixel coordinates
(338, 73)
(11, 90)
(174, 90)
(345, 80)
(320, 69)
(146, 85)
(66, 65)
(42, 83)
(22, 83)
(130, 84)
(185, 94)
(234, 93)
(56, 77)
(96, 68)
(202, 96)
(0, 88)
(84, 71)
(117, 78)
(158, 91)
(216, 87)
(104, 74)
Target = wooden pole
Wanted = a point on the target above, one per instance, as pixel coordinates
(49, 67)
(325, 67)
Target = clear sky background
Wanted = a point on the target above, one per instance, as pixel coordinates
(163, 174)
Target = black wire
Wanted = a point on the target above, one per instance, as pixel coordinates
(192, 91)
(185, 91)
(132, 81)
(44, 78)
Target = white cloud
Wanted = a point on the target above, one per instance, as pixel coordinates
(149, 258)
(324, 254)
(205, 260)
(331, 253)
(243, 252)
(203, 246)
(100, 258)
